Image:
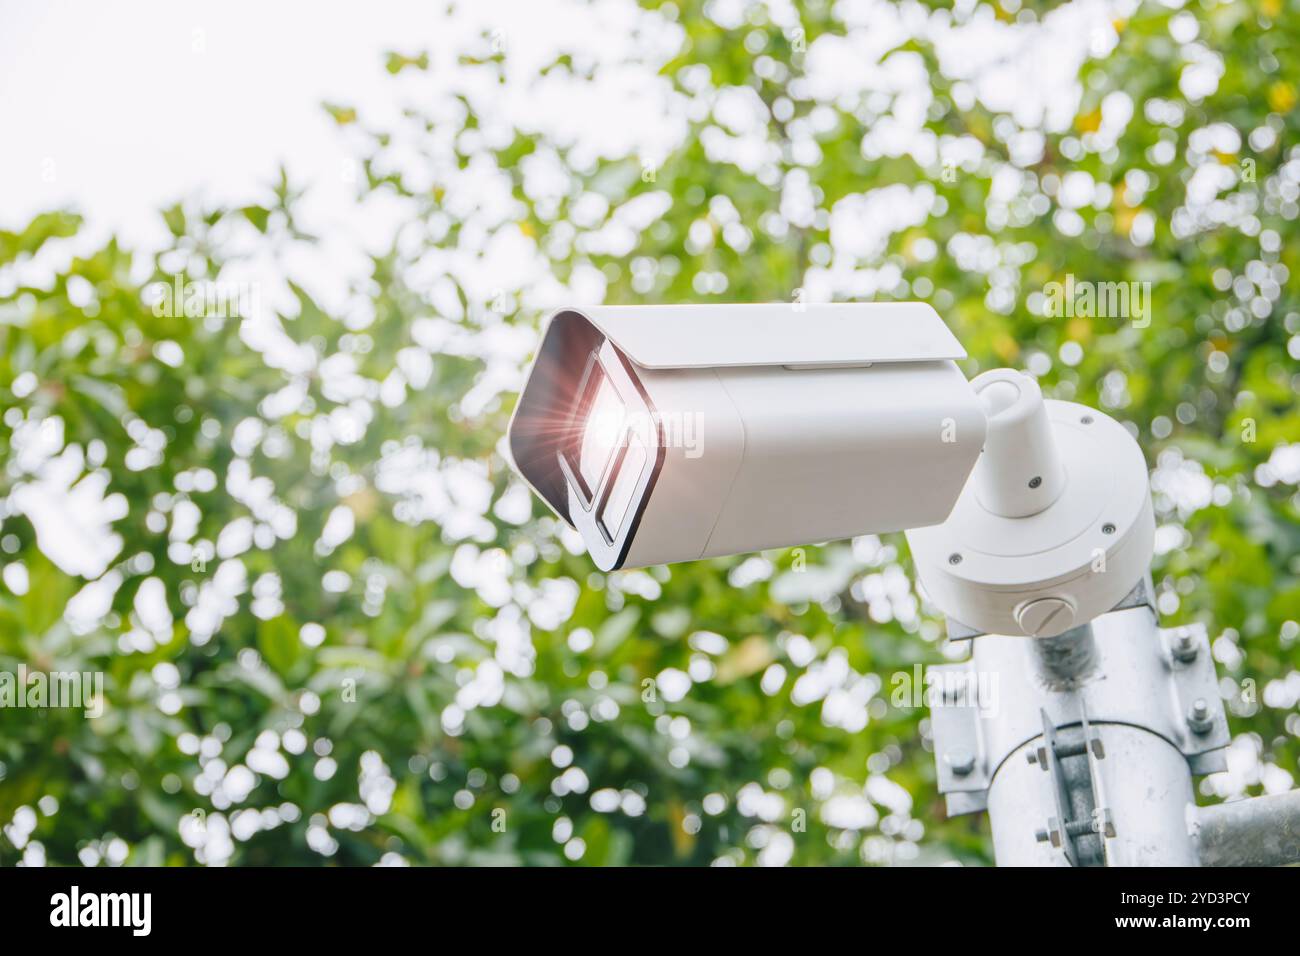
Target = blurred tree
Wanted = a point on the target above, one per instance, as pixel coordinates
(332, 626)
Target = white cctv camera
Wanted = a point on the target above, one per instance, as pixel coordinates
(672, 433)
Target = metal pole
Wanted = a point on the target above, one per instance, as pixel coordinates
(1146, 792)
(1091, 808)
(1260, 831)
(1085, 744)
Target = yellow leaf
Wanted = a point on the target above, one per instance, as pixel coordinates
(748, 657)
(1124, 220)
(1281, 96)
(343, 115)
(363, 502)
(1006, 347)
(683, 842)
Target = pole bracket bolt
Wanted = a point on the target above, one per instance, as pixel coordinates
(1200, 718)
(1184, 646)
(960, 761)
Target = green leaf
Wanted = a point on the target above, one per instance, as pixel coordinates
(279, 643)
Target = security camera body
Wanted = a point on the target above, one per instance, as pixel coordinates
(671, 433)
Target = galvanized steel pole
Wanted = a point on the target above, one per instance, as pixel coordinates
(1083, 747)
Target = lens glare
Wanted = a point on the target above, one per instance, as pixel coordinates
(603, 431)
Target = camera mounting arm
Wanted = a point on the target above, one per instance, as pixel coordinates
(1053, 528)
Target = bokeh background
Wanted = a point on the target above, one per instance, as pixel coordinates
(335, 629)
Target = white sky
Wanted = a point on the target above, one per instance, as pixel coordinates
(120, 109)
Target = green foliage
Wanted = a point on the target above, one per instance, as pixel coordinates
(449, 682)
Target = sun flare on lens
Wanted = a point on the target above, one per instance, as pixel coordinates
(602, 430)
